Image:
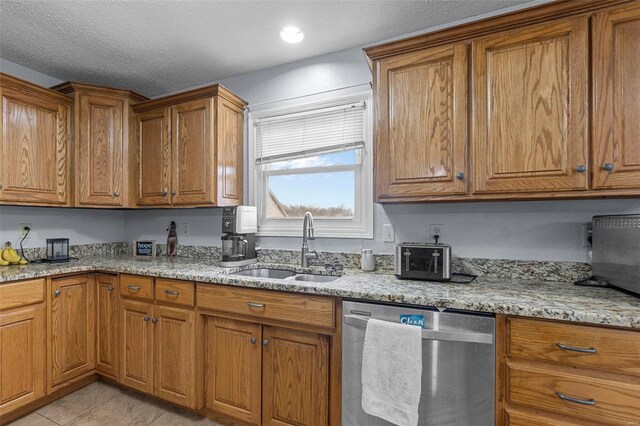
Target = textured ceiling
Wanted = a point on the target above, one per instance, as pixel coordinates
(160, 46)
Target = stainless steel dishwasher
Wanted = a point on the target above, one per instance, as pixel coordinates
(458, 364)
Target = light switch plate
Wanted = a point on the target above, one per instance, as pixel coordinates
(388, 233)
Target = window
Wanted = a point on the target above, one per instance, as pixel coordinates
(313, 156)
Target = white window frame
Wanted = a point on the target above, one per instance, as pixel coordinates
(361, 226)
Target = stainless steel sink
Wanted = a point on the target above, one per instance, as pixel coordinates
(316, 278)
(265, 273)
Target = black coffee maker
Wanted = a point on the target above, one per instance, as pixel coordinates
(239, 227)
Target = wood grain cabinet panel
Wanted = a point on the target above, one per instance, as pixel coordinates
(230, 153)
(71, 328)
(174, 355)
(153, 154)
(233, 355)
(21, 293)
(616, 97)
(34, 160)
(530, 108)
(22, 357)
(295, 378)
(137, 345)
(421, 126)
(192, 154)
(107, 325)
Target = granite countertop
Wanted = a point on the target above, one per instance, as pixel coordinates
(532, 298)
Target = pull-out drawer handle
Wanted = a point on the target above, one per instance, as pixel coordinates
(171, 292)
(576, 349)
(133, 288)
(576, 400)
(256, 305)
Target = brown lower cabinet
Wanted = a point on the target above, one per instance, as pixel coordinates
(107, 342)
(266, 375)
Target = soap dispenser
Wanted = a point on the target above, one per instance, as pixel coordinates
(172, 240)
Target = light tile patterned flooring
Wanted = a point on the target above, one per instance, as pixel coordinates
(100, 404)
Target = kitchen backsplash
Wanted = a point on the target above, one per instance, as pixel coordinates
(500, 268)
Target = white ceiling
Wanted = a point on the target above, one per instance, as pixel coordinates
(160, 46)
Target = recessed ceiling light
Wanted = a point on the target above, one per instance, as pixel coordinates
(292, 34)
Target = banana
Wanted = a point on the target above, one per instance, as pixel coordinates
(10, 256)
(2, 261)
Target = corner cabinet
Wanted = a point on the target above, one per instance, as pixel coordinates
(616, 97)
(35, 147)
(421, 123)
(107, 325)
(103, 158)
(189, 149)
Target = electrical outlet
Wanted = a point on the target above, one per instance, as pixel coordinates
(586, 234)
(388, 234)
(185, 228)
(436, 230)
(22, 230)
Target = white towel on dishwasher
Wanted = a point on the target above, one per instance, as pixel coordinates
(392, 371)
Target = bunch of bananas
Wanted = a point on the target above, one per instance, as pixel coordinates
(8, 256)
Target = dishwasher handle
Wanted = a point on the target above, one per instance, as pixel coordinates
(448, 336)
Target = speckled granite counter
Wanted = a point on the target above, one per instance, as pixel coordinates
(553, 300)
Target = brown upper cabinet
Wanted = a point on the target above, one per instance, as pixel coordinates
(535, 104)
(530, 108)
(189, 149)
(103, 159)
(616, 97)
(421, 124)
(35, 148)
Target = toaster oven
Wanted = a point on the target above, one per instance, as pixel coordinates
(616, 250)
(421, 261)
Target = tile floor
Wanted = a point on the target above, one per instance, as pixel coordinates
(101, 403)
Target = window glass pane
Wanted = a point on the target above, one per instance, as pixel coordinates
(330, 159)
(325, 195)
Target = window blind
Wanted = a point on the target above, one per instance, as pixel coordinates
(306, 133)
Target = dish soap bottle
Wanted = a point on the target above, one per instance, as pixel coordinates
(367, 261)
(172, 240)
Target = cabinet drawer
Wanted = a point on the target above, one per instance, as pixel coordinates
(136, 286)
(602, 400)
(518, 418)
(177, 292)
(312, 310)
(575, 345)
(21, 293)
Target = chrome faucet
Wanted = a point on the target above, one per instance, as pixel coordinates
(308, 233)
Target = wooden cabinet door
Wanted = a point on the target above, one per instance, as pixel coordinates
(137, 345)
(107, 313)
(72, 328)
(295, 389)
(616, 98)
(22, 357)
(153, 158)
(174, 355)
(421, 125)
(99, 173)
(193, 164)
(230, 149)
(34, 152)
(233, 355)
(530, 108)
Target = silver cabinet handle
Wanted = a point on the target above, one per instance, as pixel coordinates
(116, 194)
(581, 169)
(576, 349)
(256, 305)
(265, 343)
(607, 166)
(57, 292)
(154, 320)
(164, 193)
(110, 288)
(146, 318)
(173, 193)
(576, 400)
(0, 186)
(253, 340)
(171, 292)
(460, 176)
(133, 288)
